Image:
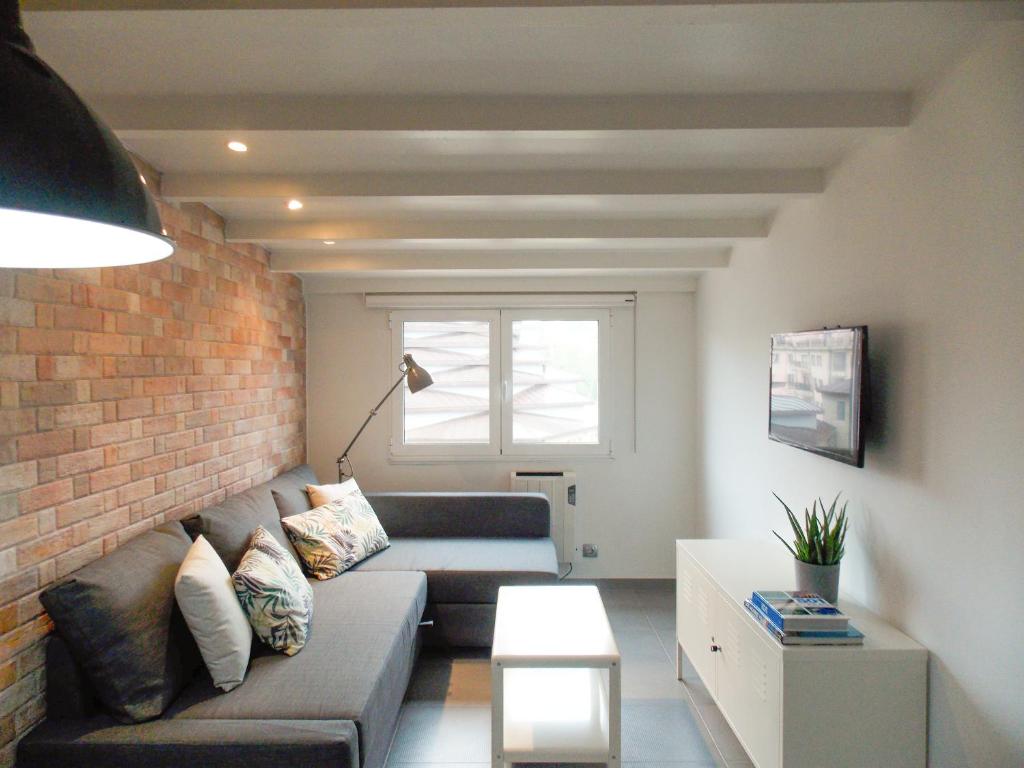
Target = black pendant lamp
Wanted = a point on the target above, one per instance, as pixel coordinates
(70, 195)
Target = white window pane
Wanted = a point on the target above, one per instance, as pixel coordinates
(554, 381)
(456, 408)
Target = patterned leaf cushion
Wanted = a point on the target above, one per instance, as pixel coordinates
(332, 538)
(274, 594)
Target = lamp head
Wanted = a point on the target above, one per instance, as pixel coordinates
(417, 377)
(70, 195)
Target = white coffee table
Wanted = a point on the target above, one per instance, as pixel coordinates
(555, 678)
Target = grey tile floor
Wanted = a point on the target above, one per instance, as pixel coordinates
(445, 720)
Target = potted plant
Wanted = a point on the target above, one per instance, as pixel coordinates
(818, 547)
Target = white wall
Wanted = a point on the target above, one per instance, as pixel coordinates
(633, 506)
(921, 237)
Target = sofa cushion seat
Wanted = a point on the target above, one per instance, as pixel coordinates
(355, 665)
(468, 570)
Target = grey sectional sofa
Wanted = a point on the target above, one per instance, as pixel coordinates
(336, 702)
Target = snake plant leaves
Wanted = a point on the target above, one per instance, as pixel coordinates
(821, 539)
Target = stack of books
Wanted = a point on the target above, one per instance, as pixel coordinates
(801, 618)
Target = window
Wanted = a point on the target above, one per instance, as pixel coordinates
(841, 410)
(456, 409)
(506, 382)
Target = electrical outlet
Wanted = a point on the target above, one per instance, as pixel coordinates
(589, 550)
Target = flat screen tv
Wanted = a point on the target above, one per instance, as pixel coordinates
(818, 384)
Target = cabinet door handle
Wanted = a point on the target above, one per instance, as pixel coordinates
(715, 648)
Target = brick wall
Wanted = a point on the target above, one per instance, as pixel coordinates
(128, 397)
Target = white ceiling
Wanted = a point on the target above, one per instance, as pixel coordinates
(537, 140)
(702, 48)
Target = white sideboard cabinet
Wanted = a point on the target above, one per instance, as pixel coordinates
(796, 707)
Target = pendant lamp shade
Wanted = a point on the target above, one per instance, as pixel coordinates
(70, 195)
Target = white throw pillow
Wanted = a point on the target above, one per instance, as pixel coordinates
(325, 494)
(206, 596)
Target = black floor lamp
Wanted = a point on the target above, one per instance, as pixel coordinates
(418, 379)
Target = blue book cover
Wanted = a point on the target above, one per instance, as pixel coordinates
(799, 611)
(849, 636)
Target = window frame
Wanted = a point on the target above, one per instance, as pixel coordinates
(500, 364)
(508, 447)
(398, 446)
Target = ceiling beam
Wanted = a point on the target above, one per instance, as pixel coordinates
(261, 112)
(303, 5)
(381, 263)
(192, 187)
(657, 282)
(275, 231)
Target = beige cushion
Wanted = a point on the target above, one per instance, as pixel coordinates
(206, 596)
(325, 494)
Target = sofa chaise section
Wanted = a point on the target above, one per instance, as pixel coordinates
(465, 570)
(468, 544)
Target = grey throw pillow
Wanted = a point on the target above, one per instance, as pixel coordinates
(291, 502)
(229, 526)
(118, 617)
(289, 490)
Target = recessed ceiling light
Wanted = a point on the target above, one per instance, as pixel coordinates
(237, 146)
(294, 205)
(328, 242)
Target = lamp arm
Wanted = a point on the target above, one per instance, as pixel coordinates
(373, 412)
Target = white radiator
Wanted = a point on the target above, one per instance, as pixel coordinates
(560, 488)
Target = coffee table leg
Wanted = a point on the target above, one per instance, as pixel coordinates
(497, 716)
(615, 715)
